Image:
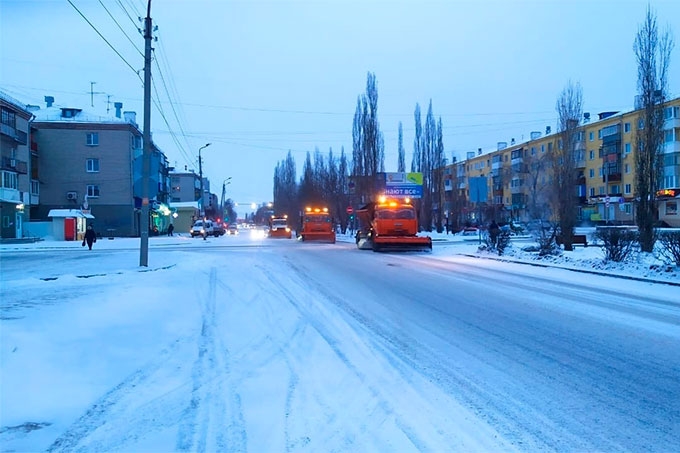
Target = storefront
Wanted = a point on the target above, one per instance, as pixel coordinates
(668, 201)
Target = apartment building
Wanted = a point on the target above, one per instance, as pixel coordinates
(95, 163)
(517, 177)
(18, 188)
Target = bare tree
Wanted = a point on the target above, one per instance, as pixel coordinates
(532, 172)
(563, 159)
(401, 160)
(652, 53)
(368, 153)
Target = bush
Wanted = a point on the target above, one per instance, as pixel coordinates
(617, 243)
(502, 242)
(669, 250)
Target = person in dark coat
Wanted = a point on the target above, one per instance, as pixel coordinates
(171, 228)
(494, 231)
(90, 237)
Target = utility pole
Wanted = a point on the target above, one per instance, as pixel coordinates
(146, 154)
(200, 175)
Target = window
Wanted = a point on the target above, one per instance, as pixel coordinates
(559, 143)
(542, 148)
(671, 112)
(671, 208)
(10, 180)
(92, 190)
(641, 123)
(93, 165)
(626, 148)
(601, 190)
(627, 189)
(591, 173)
(626, 168)
(615, 189)
(669, 135)
(591, 136)
(592, 191)
(533, 150)
(599, 134)
(549, 147)
(591, 154)
(600, 172)
(627, 208)
(9, 118)
(92, 139)
(136, 142)
(626, 127)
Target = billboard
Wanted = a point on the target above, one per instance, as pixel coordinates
(404, 185)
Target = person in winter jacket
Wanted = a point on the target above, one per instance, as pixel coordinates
(90, 237)
(494, 231)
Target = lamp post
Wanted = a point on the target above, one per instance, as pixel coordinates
(224, 193)
(200, 175)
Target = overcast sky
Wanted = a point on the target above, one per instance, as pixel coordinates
(258, 78)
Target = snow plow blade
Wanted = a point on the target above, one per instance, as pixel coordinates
(322, 236)
(402, 244)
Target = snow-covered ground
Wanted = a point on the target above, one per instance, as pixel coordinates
(227, 345)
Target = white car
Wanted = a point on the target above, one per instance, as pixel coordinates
(202, 228)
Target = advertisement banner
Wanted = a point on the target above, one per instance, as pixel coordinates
(404, 185)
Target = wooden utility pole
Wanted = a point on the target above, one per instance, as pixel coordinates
(146, 156)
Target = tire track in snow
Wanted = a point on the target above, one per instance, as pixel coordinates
(100, 412)
(213, 420)
(381, 403)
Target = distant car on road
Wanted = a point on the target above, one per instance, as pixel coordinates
(202, 228)
(232, 229)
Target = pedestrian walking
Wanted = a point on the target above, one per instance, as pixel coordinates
(90, 237)
(494, 231)
(171, 228)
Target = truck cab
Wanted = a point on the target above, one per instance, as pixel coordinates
(317, 225)
(279, 228)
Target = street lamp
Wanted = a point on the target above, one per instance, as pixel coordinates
(224, 193)
(200, 175)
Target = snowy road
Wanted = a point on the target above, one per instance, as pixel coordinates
(318, 347)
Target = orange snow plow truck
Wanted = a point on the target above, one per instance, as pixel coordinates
(317, 225)
(390, 225)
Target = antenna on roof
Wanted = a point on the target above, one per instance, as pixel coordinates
(92, 93)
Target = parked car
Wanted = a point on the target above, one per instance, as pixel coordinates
(219, 229)
(202, 228)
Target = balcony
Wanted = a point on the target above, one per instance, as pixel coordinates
(671, 123)
(671, 147)
(15, 165)
(516, 190)
(11, 195)
(496, 165)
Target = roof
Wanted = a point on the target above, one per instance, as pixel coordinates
(184, 204)
(62, 213)
(54, 114)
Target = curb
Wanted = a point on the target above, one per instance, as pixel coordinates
(583, 271)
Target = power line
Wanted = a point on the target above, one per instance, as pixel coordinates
(120, 28)
(105, 40)
(134, 24)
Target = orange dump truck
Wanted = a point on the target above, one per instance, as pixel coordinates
(390, 225)
(278, 227)
(317, 225)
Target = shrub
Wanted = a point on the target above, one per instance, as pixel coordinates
(669, 250)
(617, 243)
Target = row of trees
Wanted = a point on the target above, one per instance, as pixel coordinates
(336, 183)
